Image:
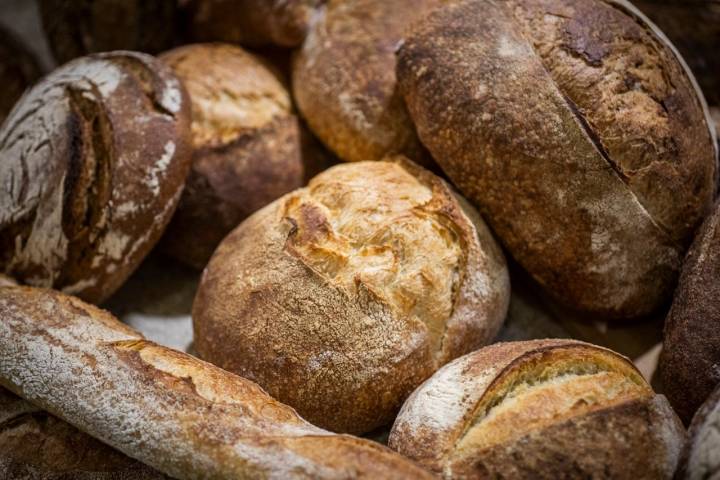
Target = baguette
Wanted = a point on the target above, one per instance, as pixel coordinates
(180, 415)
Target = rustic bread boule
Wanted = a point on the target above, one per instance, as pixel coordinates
(539, 409)
(18, 70)
(578, 132)
(691, 344)
(344, 79)
(341, 297)
(93, 160)
(701, 458)
(246, 146)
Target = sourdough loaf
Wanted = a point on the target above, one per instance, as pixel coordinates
(701, 458)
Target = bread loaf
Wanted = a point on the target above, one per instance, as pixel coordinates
(700, 458)
(578, 132)
(540, 409)
(251, 22)
(344, 79)
(93, 160)
(691, 344)
(34, 445)
(340, 298)
(18, 70)
(77, 27)
(178, 414)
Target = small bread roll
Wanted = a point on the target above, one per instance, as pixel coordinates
(340, 298)
(344, 79)
(246, 146)
(579, 133)
(34, 445)
(540, 409)
(18, 70)
(691, 344)
(251, 22)
(701, 458)
(93, 160)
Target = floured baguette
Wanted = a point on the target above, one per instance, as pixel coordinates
(173, 412)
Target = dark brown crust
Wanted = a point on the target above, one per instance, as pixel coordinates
(691, 353)
(18, 70)
(501, 120)
(698, 460)
(79, 27)
(90, 191)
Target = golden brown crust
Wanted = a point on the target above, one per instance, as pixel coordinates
(540, 166)
(700, 457)
(178, 414)
(370, 278)
(539, 409)
(247, 149)
(90, 192)
(344, 79)
(18, 70)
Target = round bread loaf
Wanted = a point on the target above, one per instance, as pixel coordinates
(340, 298)
(93, 161)
(701, 458)
(18, 70)
(251, 22)
(77, 27)
(34, 445)
(246, 146)
(344, 79)
(694, 27)
(540, 409)
(691, 345)
(578, 132)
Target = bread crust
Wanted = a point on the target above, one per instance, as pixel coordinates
(178, 414)
(247, 148)
(344, 79)
(514, 119)
(690, 355)
(607, 440)
(314, 319)
(88, 191)
(700, 457)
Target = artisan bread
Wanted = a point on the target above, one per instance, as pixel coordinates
(251, 22)
(578, 132)
(93, 159)
(539, 409)
(247, 148)
(691, 344)
(340, 298)
(344, 79)
(34, 445)
(18, 70)
(180, 415)
(78, 27)
(700, 458)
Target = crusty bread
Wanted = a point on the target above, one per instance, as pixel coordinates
(246, 146)
(93, 160)
(173, 412)
(344, 79)
(540, 409)
(251, 22)
(18, 70)
(34, 445)
(701, 458)
(715, 114)
(578, 132)
(368, 280)
(77, 27)
(691, 345)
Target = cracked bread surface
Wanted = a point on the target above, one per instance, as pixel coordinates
(371, 278)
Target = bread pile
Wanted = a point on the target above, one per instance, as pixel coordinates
(491, 157)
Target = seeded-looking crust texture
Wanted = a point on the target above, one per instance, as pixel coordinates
(577, 131)
(18, 70)
(370, 278)
(247, 148)
(34, 445)
(78, 27)
(344, 79)
(252, 22)
(690, 360)
(539, 409)
(93, 160)
(701, 458)
(182, 416)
